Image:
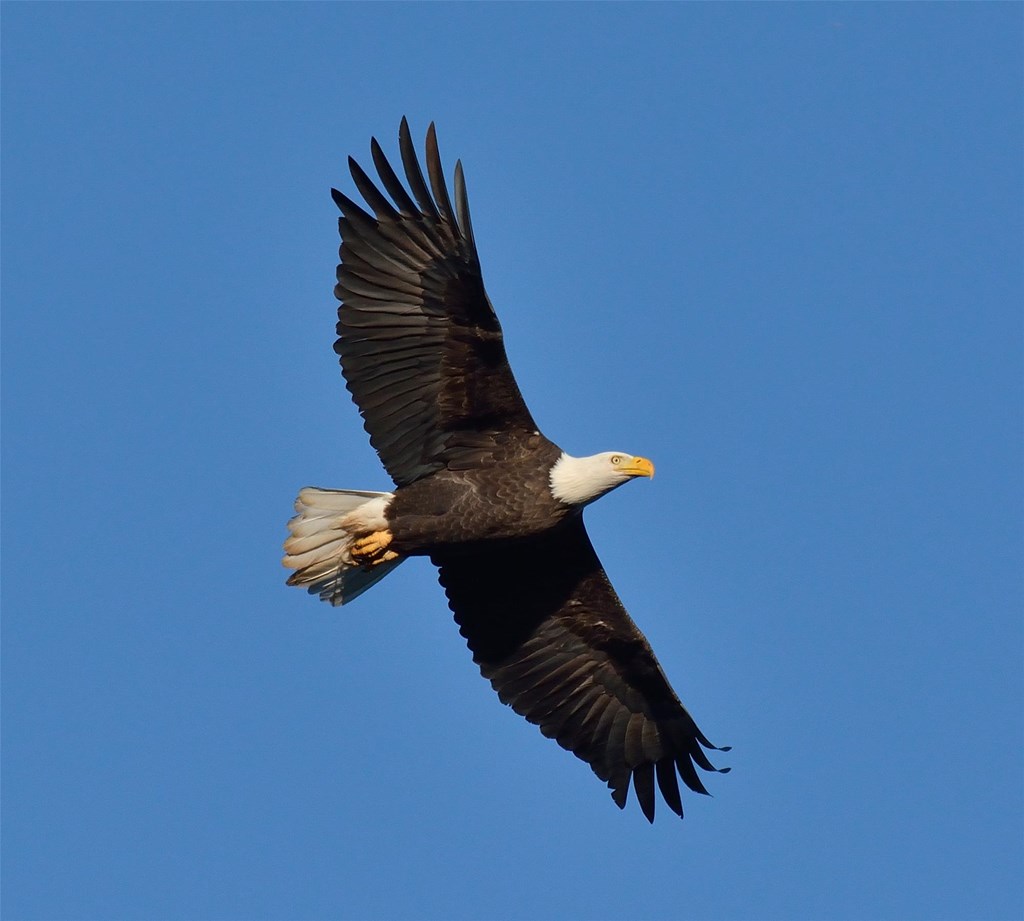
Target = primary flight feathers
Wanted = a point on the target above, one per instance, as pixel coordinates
(495, 505)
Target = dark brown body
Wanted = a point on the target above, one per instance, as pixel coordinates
(507, 496)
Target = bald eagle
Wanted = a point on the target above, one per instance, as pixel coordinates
(495, 505)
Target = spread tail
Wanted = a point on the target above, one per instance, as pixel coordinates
(319, 548)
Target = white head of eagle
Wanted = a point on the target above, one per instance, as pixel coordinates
(581, 480)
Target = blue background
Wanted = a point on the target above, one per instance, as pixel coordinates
(777, 249)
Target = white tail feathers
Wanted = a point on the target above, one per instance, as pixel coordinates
(319, 548)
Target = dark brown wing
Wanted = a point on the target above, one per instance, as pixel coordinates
(547, 629)
(421, 348)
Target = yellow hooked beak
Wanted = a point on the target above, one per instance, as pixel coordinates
(639, 466)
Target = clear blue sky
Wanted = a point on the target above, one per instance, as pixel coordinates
(775, 248)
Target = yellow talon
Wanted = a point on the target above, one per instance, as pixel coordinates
(372, 543)
(373, 549)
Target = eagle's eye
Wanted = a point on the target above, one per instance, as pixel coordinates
(617, 459)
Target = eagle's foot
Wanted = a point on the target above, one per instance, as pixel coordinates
(372, 549)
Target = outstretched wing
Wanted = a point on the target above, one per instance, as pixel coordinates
(547, 629)
(420, 345)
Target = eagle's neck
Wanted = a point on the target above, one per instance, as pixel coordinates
(581, 480)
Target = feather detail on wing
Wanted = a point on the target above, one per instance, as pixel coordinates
(547, 629)
(420, 346)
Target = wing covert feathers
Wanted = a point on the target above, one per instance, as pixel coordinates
(548, 631)
(420, 346)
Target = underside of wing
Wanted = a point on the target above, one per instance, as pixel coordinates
(420, 345)
(547, 629)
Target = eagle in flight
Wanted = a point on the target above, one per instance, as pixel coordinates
(495, 505)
